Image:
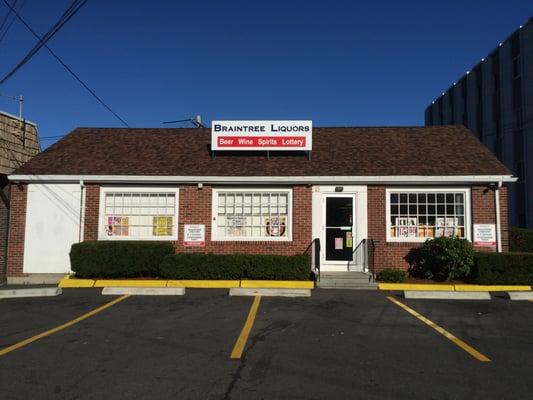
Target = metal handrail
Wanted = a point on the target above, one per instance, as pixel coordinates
(368, 247)
(313, 250)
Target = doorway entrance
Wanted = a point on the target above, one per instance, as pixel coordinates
(339, 227)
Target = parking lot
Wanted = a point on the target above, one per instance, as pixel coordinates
(336, 344)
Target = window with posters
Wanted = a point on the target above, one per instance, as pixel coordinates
(255, 214)
(138, 213)
(416, 215)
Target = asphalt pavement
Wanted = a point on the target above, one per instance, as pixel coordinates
(337, 344)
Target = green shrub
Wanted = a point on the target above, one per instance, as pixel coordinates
(503, 269)
(118, 259)
(521, 240)
(443, 259)
(235, 266)
(392, 275)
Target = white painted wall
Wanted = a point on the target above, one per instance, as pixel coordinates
(52, 226)
(360, 222)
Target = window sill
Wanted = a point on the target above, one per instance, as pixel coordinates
(258, 240)
(154, 238)
(411, 240)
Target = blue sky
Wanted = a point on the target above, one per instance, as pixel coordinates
(337, 63)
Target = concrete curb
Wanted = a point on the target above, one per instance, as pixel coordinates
(521, 295)
(129, 283)
(246, 283)
(416, 286)
(68, 282)
(279, 292)
(33, 292)
(198, 284)
(452, 287)
(440, 295)
(492, 288)
(143, 291)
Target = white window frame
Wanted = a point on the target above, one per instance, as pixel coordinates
(214, 215)
(102, 234)
(467, 204)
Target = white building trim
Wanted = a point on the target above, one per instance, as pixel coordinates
(269, 180)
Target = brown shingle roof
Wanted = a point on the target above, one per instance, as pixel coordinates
(433, 151)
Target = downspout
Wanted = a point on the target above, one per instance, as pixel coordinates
(82, 211)
(498, 221)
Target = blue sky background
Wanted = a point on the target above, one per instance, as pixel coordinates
(336, 62)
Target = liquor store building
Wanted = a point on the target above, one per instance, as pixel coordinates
(342, 187)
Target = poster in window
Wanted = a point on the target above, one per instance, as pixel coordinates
(236, 220)
(451, 223)
(117, 226)
(236, 225)
(406, 227)
(275, 226)
(162, 226)
(439, 224)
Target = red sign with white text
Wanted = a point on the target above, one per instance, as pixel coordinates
(261, 141)
(262, 135)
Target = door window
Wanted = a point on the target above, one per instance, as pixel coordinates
(339, 228)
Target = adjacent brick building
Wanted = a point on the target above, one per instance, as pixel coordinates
(395, 186)
(18, 143)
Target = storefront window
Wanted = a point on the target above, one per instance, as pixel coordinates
(418, 215)
(252, 215)
(138, 215)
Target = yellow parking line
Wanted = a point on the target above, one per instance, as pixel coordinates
(32, 339)
(243, 337)
(470, 350)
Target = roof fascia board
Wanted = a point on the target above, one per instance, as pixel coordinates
(260, 180)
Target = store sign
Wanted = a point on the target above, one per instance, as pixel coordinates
(194, 236)
(262, 135)
(484, 235)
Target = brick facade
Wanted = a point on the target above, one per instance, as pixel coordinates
(484, 212)
(195, 208)
(393, 254)
(92, 207)
(17, 226)
(4, 216)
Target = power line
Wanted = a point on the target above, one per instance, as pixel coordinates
(7, 16)
(43, 44)
(12, 20)
(69, 13)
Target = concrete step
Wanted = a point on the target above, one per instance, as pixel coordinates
(348, 287)
(346, 280)
(346, 276)
(346, 284)
(343, 273)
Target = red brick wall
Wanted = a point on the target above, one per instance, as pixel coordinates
(4, 215)
(195, 208)
(17, 224)
(386, 254)
(484, 212)
(92, 204)
(392, 254)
